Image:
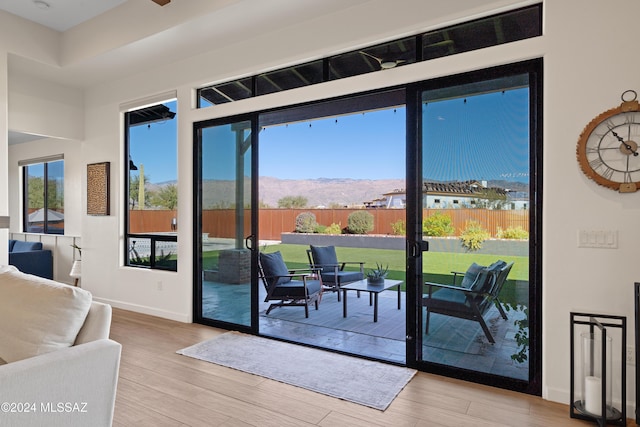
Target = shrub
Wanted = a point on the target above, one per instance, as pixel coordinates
(320, 229)
(437, 225)
(473, 235)
(516, 233)
(333, 229)
(292, 202)
(360, 222)
(306, 222)
(399, 228)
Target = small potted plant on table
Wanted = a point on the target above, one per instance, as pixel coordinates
(377, 275)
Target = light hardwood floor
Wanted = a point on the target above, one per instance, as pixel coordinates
(158, 387)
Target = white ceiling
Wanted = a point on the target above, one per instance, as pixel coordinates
(135, 35)
(105, 40)
(91, 42)
(61, 14)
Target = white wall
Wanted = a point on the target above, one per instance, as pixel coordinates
(583, 78)
(589, 60)
(40, 107)
(4, 155)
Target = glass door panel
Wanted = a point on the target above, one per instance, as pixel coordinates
(476, 211)
(224, 279)
(320, 165)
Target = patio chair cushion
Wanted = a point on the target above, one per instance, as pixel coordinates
(341, 276)
(483, 281)
(275, 270)
(449, 299)
(324, 255)
(470, 275)
(497, 265)
(294, 288)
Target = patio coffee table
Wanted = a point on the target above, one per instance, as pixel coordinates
(363, 285)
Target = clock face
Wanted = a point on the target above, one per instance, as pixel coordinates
(609, 152)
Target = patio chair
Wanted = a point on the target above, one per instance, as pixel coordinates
(281, 286)
(333, 273)
(472, 299)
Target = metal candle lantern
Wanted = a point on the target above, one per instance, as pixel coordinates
(594, 378)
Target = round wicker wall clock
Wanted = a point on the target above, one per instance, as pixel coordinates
(608, 146)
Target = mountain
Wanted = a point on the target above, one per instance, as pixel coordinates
(326, 191)
(318, 192)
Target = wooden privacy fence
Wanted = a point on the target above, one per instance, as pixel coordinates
(273, 222)
(151, 221)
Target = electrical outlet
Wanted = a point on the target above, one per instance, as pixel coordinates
(631, 355)
(159, 285)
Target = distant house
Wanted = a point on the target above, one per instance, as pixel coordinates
(453, 195)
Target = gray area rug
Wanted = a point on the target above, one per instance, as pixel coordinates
(365, 382)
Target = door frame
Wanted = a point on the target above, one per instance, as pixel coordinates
(251, 241)
(534, 69)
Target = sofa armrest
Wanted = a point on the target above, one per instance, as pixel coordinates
(39, 263)
(97, 325)
(75, 386)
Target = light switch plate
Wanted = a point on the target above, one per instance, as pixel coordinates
(607, 239)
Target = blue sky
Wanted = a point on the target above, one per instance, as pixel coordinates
(154, 146)
(483, 137)
(359, 146)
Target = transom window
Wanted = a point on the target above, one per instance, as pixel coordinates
(494, 30)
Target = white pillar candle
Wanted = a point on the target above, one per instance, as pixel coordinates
(593, 395)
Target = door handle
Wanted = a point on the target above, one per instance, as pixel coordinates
(412, 248)
(416, 248)
(248, 242)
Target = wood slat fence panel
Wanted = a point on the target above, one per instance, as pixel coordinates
(273, 222)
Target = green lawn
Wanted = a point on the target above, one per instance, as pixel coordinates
(436, 263)
(437, 266)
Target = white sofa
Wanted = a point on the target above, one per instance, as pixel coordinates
(58, 366)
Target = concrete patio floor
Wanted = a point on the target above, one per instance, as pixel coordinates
(451, 341)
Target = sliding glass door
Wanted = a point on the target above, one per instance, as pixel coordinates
(223, 218)
(467, 188)
(477, 306)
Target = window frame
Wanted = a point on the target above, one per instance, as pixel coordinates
(407, 50)
(44, 161)
(154, 238)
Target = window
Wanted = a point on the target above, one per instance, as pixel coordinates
(152, 186)
(43, 191)
(494, 30)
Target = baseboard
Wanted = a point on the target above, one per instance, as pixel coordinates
(556, 395)
(151, 311)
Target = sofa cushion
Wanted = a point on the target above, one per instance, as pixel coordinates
(22, 246)
(11, 243)
(38, 315)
